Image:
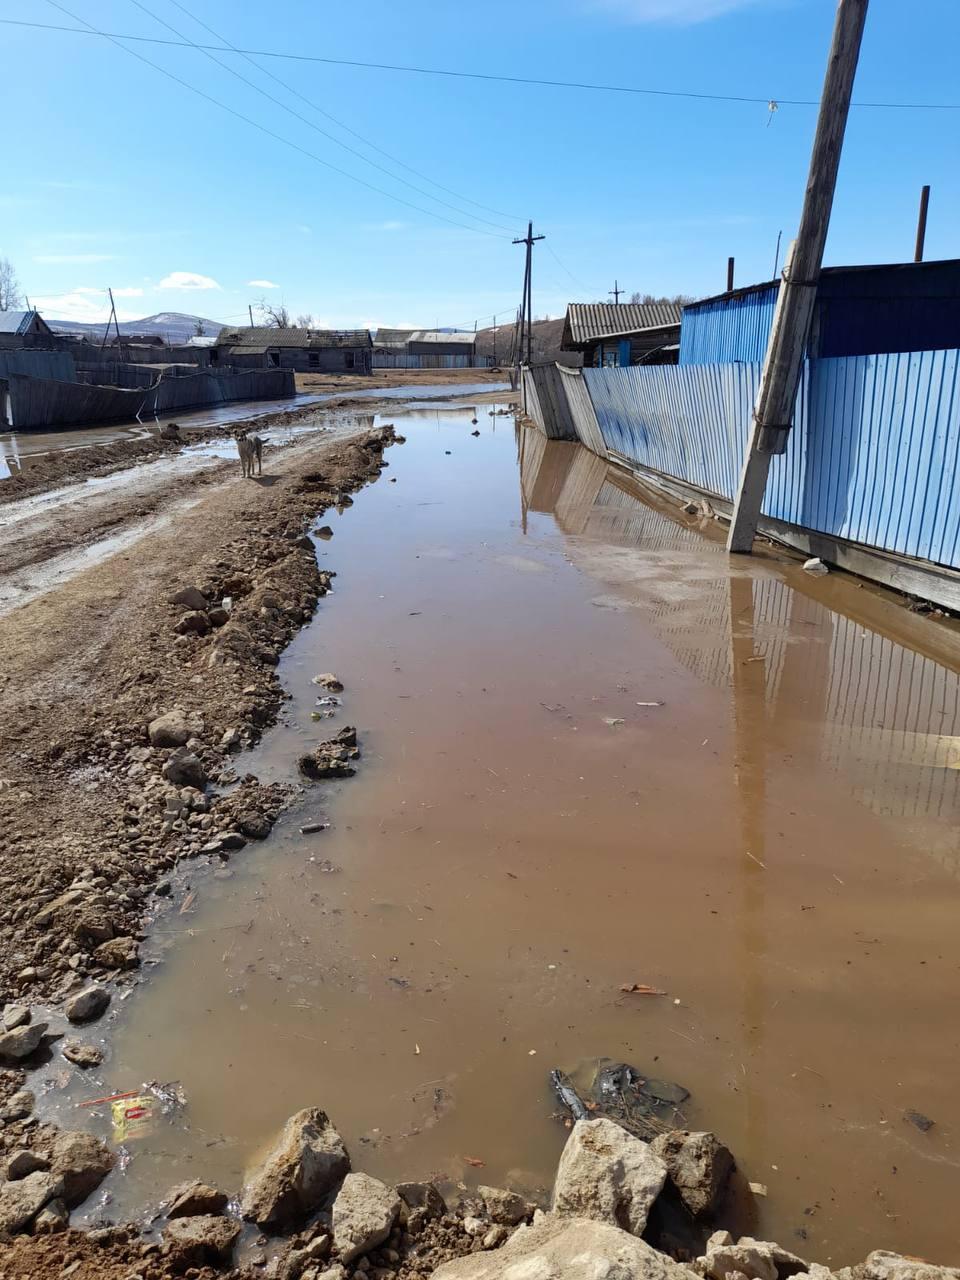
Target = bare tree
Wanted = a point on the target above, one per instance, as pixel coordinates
(198, 328)
(649, 299)
(277, 317)
(305, 321)
(10, 296)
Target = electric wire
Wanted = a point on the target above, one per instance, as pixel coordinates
(277, 137)
(317, 129)
(339, 123)
(476, 75)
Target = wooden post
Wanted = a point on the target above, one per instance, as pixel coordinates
(922, 224)
(773, 412)
(730, 262)
(250, 314)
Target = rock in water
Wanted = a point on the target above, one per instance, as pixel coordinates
(21, 1041)
(308, 1161)
(754, 1259)
(20, 1202)
(82, 1055)
(881, 1265)
(567, 1249)
(81, 1162)
(192, 1199)
(194, 1242)
(609, 1175)
(87, 1004)
(118, 953)
(332, 758)
(363, 1215)
(698, 1166)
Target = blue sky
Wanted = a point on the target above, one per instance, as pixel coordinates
(115, 174)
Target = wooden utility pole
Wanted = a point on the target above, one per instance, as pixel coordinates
(730, 264)
(250, 314)
(616, 291)
(922, 224)
(776, 399)
(494, 341)
(527, 310)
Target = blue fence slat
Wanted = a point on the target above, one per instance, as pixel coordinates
(874, 456)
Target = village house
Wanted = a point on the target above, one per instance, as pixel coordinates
(20, 329)
(303, 350)
(424, 349)
(613, 335)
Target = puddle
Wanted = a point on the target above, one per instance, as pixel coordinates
(596, 752)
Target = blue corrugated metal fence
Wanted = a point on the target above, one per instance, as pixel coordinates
(874, 456)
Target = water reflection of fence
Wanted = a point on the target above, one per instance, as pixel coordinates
(880, 717)
(871, 476)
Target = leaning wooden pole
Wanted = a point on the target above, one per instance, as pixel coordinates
(773, 412)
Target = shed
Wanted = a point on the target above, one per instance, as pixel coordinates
(615, 334)
(425, 349)
(24, 329)
(871, 310)
(303, 350)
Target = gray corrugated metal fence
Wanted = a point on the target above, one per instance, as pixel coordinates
(39, 364)
(581, 409)
(44, 402)
(406, 360)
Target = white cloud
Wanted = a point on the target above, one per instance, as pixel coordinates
(187, 280)
(79, 305)
(262, 284)
(674, 12)
(77, 259)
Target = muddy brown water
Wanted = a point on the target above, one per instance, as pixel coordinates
(767, 832)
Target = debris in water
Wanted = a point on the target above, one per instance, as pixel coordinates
(329, 681)
(816, 567)
(188, 902)
(474, 1162)
(758, 1188)
(919, 1120)
(132, 1117)
(644, 1107)
(324, 532)
(331, 759)
(568, 1095)
(641, 989)
(613, 721)
(329, 700)
(649, 704)
(311, 828)
(448, 452)
(416, 1048)
(474, 433)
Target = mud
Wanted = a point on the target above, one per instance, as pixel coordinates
(596, 753)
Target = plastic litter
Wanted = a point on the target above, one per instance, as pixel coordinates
(815, 567)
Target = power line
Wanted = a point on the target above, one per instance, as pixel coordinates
(339, 123)
(474, 75)
(576, 280)
(277, 137)
(309, 123)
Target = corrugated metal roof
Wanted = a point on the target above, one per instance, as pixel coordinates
(587, 321)
(400, 337)
(250, 350)
(268, 336)
(15, 321)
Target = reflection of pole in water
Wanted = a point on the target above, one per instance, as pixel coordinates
(521, 462)
(748, 677)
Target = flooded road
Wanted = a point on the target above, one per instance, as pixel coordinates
(596, 752)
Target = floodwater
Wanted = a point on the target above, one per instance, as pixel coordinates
(596, 752)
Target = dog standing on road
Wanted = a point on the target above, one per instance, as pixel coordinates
(250, 448)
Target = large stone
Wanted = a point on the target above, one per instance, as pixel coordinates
(81, 1161)
(197, 1241)
(16, 1015)
(52, 1218)
(172, 729)
(308, 1161)
(21, 1041)
(22, 1163)
(82, 1055)
(882, 1265)
(184, 769)
(190, 598)
(754, 1259)
(191, 1199)
(697, 1165)
(363, 1215)
(505, 1207)
(567, 1249)
(607, 1174)
(422, 1195)
(87, 1004)
(20, 1202)
(118, 953)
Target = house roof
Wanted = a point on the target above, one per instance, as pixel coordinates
(587, 321)
(401, 337)
(305, 339)
(19, 321)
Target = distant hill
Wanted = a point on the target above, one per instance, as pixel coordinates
(174, 326)
(545, 345)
